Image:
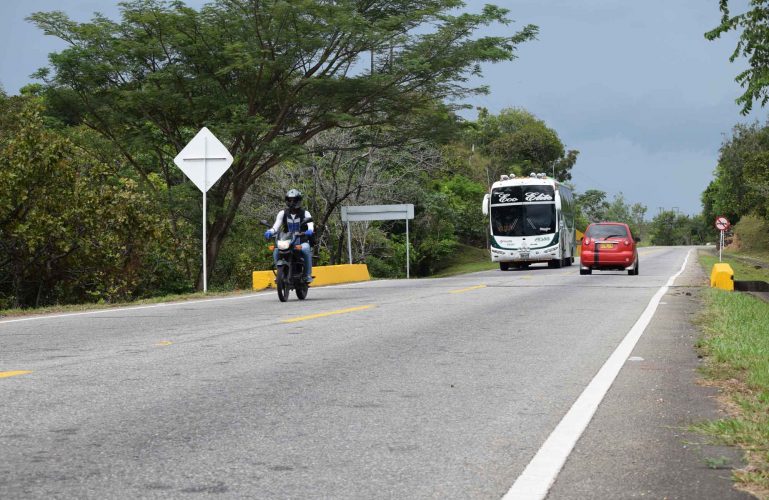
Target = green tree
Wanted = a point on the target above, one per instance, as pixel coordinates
(593, 205)
(265, 76)
(520, 143)
(672, 228)
(753, 44)
(72, 228)
(741, 184)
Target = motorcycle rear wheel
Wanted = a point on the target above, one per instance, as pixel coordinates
(281, 283)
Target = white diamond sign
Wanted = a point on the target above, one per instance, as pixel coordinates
(204, 159)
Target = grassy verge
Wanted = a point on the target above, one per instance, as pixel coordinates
(735, 343)
(6, 313)
(467, 260)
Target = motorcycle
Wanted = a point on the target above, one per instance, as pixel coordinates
(289, 269)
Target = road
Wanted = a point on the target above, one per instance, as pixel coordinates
(439, 388)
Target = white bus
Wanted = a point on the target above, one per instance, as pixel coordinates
(531, 219)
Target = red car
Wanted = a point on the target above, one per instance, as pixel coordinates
(609, 245)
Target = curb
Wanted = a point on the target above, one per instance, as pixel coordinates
(324, 275)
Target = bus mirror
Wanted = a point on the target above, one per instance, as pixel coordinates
(485, 206)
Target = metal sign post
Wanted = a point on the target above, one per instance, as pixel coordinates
(378, 212)
(722, 224)
(205, 148)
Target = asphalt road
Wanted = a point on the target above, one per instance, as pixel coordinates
(441, 388)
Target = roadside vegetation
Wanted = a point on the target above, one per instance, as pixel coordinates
(735, 343)
(94, 211)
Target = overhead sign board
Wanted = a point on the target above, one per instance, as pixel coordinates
(204, 159)
(377, 212)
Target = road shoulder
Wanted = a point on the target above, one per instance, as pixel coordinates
(637, 444)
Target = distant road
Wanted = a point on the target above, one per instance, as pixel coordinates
(439, 388)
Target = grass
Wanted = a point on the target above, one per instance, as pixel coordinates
(467, 259)
(735, 342)
(60, 309)
(747, 267)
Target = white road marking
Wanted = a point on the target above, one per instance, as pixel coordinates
(540, 474)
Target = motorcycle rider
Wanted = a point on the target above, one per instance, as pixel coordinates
(290, 219)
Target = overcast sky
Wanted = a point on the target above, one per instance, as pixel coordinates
(634, 86)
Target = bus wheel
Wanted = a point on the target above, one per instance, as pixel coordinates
(504, 266)
(555, 264)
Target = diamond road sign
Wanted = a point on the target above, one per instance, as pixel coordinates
(204, 159)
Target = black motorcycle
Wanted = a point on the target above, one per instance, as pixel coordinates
(289, 269)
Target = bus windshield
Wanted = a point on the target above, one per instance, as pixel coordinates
(523, 220)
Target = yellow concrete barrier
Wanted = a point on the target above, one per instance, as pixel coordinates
(722, 276)
(324, 275)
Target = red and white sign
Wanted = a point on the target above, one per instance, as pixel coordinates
(722, 223)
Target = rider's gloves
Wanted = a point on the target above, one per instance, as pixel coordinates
(268, 234)
(308, 232)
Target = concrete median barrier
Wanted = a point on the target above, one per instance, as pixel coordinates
(324, 275)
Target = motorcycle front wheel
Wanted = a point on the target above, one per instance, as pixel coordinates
(281, 283)
(301, 290)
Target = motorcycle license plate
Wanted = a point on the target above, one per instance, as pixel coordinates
(524, 255)
(607, 245)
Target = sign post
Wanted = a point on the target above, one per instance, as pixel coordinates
(204, 160)
(722, 224)
(378, 212)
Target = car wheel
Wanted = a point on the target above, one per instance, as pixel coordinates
(586, 271)
(504, 266)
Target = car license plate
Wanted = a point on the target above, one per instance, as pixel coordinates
(524, 255)
(607, 245)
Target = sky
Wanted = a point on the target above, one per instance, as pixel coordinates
(633, 86)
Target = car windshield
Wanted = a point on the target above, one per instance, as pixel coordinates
(607, 231)
(523, 220)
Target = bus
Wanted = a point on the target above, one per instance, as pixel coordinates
(531, 219)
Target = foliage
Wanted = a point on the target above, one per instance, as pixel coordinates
(593, 206)
(72, 228)
(753, 44)
(265, 76)
(741, 184)
(752, 233)
(518, 142)
(672, 228)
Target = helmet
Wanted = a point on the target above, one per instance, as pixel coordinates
(293, 198)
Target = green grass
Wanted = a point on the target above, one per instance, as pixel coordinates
(735, 343)
(467, 260)
(5, 313)
(747, 267)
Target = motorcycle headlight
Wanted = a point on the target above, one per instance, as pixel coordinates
(284, 244)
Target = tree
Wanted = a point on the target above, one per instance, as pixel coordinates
(520, 143)
(753, 44)
(593, 205)
(72, 228)
(266, 76)
(741, 184)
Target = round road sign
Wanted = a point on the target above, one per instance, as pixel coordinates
(722, 223)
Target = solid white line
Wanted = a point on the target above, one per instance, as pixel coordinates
(540, 474)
